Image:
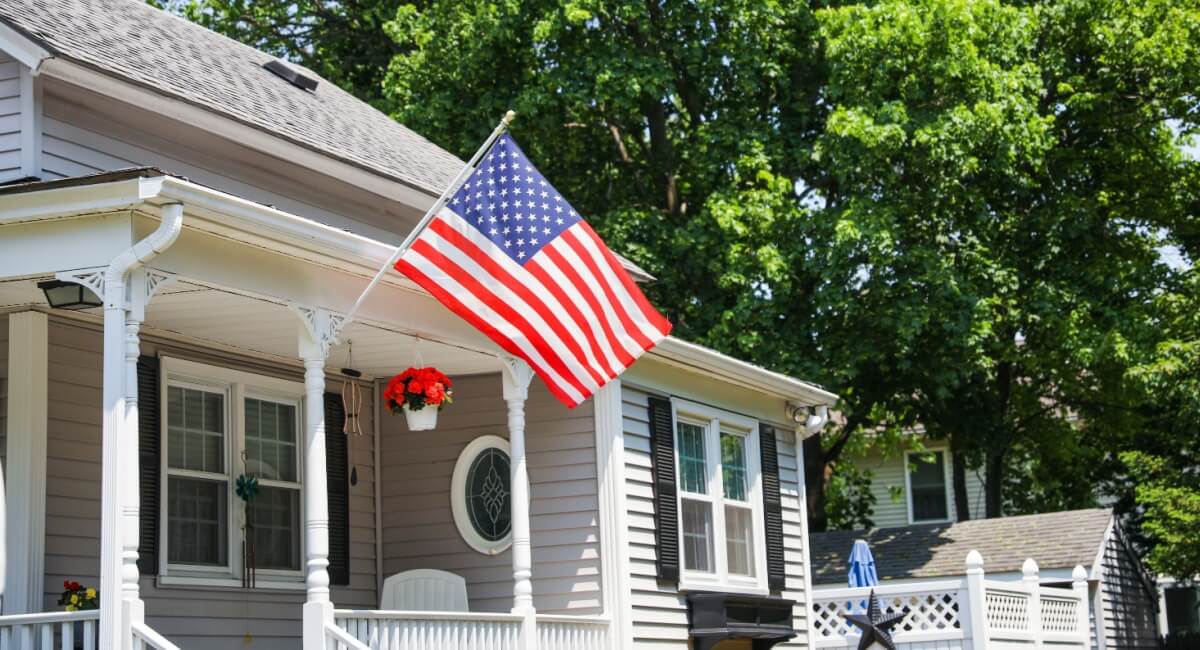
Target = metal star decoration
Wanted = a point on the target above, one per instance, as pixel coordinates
(876, 626)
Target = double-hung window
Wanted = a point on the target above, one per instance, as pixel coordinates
(219, 425)
(928, 498)
(720, 499)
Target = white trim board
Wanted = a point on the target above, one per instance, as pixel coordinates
(614, 530)
(28, 386)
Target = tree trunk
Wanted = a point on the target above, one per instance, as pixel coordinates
(962, 502)
(994, 484)
(814, 484)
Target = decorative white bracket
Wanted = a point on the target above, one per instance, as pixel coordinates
(517, 376)
(322, 326)
(92, 278)
(144, 282)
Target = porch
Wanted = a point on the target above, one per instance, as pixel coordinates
(218, 304)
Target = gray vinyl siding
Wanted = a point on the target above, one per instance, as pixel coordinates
(10, 118)
(71, 148)
(659, 609)
(1128, 597)
(888, 476)
(193, 618)
(418, 526)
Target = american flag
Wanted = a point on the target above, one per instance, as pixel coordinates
(510, 256)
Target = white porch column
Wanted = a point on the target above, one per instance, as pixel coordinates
(26, 462)
(113, 459)
(317, 331)
(516, 376)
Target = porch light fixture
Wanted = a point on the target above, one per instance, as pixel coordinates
(69, 295)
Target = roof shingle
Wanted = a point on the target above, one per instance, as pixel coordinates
(1057, 540)
(133, 41)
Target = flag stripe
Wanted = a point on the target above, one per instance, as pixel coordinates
(604, 315)
(501, 307)
(554, 311)
(546, 271)
(482, 318)
(660, 324)
(630, 336)
(616, 291)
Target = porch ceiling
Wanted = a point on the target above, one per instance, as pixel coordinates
(213, 316)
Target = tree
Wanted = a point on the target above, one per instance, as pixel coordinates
(1002, 177)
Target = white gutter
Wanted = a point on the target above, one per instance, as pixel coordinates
(119, 485)
(704, 361)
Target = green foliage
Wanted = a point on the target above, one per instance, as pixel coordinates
(849, 502)
(1171, 499)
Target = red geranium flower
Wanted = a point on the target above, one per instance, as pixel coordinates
(417, 388)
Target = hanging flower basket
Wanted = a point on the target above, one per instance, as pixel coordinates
(420, 393)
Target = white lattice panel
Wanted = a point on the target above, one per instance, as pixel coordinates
(1060, 614)
(1007, 611)
(924, 612)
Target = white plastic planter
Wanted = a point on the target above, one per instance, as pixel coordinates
(422, 420)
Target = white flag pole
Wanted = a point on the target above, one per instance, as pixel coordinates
(431, 213)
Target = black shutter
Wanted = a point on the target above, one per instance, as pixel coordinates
(149, 459)
(772, 509)
(666, 509)
(337, 468)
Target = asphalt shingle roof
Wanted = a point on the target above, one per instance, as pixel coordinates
(152, 48)
(1057, 540)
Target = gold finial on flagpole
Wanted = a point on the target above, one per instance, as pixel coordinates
(509, 117)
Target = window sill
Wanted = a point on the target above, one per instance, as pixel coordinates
(696, 585)
(229, 584)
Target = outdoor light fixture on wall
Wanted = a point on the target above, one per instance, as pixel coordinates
(69, 295)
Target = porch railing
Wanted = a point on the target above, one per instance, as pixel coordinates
(402, 630)
(48, 630)
(145, 638)
(969, 612)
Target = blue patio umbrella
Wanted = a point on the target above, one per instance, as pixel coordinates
(862, 566)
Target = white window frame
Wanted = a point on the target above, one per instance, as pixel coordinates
(946, 485)
(715, 421)
(458, 495)
(237, 386)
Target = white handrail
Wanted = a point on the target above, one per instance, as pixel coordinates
(340, 636)
(144, 635)
(427, 616)
(42, 630)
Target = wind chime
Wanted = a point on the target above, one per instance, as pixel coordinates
(351, 396)
(247, 490)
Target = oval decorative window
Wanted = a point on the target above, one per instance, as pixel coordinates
(481, 495)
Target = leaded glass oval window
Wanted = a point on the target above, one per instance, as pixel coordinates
(481, 495)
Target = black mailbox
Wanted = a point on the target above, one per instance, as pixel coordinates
(715, 617)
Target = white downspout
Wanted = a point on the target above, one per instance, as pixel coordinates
(119, 492)
(816, 420)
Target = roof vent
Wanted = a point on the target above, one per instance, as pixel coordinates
(281, 70)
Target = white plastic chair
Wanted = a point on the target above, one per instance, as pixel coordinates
(424, 590)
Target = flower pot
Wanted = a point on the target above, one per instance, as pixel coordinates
(422, 420)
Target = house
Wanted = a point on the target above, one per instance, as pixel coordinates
(915, 484)
(183, 224)
(1123, 597)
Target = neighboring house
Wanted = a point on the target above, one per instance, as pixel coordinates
(1123, 595)
(915, 486)
(180, 232)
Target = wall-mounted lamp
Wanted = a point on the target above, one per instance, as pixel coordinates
(69, 295)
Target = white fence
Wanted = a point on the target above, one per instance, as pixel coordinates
(396, 630)
(970, 612)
